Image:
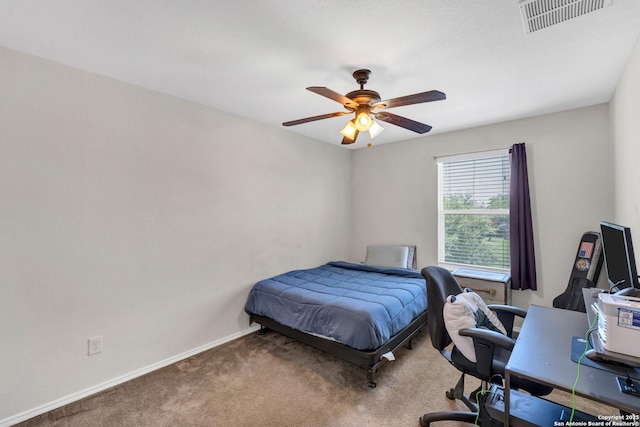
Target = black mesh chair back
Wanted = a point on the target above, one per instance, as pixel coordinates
(440, 284)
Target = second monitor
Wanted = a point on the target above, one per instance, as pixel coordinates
(620, 259)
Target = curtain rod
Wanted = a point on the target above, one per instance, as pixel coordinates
(471, 153)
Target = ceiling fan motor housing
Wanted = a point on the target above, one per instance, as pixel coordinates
(364, 96)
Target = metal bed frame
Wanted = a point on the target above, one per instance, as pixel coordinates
(370, 360)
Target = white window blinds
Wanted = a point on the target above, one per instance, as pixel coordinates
(473, 210)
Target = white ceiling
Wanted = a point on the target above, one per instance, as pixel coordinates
(255, 58)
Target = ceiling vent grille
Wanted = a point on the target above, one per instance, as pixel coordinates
(540, 14)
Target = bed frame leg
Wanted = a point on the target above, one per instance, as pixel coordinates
(263, 330)
(371, 372)
(410, 344)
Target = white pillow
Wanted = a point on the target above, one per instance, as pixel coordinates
(387, 255)
(468, 310)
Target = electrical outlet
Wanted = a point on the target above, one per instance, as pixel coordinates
(95, 345)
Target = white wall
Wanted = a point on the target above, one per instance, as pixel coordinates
(625, 128)
(395, 189)
(142, 218)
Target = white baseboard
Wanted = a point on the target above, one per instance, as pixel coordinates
(23, 416)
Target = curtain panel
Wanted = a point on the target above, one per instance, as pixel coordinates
(522, 254)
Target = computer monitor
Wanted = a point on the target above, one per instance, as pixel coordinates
(619, 258)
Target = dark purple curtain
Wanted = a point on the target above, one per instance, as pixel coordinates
(523, 260)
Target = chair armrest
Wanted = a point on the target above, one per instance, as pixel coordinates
(506, 314)
(517, 311)
(486, 336)
(485, 342)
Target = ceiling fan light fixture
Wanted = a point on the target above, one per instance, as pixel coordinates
(349, 131)
(375, 129)
(363, 120)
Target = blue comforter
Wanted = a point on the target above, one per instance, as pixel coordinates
(358, 305)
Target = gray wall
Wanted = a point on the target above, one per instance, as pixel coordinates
(142, 218)
(625, 129)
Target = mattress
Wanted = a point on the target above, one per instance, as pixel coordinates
(358, 305)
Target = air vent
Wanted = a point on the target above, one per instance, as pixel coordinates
(540, 14)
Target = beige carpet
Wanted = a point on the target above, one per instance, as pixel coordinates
(272, 380)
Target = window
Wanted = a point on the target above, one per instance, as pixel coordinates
(473, 210)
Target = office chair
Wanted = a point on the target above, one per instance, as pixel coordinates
(492, 348)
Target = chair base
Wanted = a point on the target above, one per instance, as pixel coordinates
(466, 417)
(458, 393)
(477, 417)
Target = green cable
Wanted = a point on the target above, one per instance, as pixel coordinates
(575, 384)
(475, 423)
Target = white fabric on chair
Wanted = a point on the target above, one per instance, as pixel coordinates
(468, 310)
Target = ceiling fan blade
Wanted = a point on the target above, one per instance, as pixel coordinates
(347, 141)
(326, 92)
(403, 122)
(314, 118)
(416, 98)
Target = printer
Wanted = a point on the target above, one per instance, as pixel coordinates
(619, 323)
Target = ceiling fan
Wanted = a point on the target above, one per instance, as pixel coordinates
(366, 103)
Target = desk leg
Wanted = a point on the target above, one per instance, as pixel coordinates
(507, 397)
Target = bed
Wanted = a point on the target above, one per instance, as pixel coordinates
(361, 313)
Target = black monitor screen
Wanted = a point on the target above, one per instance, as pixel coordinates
(618, 256)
